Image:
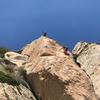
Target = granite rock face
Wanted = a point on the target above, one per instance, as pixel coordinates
(54, 75)
(12, 86)
(10, 92)
(88, 56)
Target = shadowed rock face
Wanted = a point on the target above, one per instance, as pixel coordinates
(12, 86)
(88, 55)
(54, 75)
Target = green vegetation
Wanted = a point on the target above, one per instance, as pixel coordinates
(22, 72)
(6, 78)
(75, 57)
(12, 75)
(3, 50)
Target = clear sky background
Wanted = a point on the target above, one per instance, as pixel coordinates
(67, 21)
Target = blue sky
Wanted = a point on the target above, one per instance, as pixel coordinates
(67, 21)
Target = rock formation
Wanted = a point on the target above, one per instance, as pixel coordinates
(54, 75)
(52, 72)
(88, 55)
(12, 86)
(16, 58)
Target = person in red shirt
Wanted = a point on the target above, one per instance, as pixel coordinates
(65, 50)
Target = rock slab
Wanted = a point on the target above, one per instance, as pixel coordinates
(54, 75)
(88, 55)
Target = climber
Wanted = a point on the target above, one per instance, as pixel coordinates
(45, 34)
(66, 50)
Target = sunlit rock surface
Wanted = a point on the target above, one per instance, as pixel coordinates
(54, 75)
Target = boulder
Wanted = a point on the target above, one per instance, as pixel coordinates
(88, 55)
(16, 58)
(54, 75)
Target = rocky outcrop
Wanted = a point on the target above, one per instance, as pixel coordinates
(16, 58)
(10, 92)
(88, 56)
(12, 84)
(54, 75)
